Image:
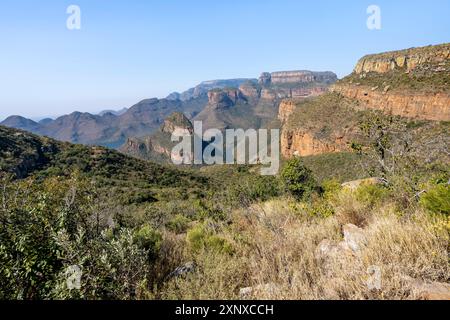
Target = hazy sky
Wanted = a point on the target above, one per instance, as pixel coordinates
(135, 49)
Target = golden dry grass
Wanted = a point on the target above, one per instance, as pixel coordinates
(276, 254)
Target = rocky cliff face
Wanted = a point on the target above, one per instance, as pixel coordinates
(413, 83)
(255, 104)
(288, 106)
(303, 143)
(179, 123)
(405, 59)
(203, 88)
(225, 98)
(431, 106)
(325, 124)
(303, 76)
(285, 109)
(294, 84)
(250, 90)
(158, 146)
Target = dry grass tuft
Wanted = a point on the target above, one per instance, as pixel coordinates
(275, 253)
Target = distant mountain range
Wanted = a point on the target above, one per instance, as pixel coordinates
(219, 103)
(114, 112)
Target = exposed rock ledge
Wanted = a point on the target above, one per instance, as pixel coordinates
(298, 142)
(285, 109)
(410, 105)
(299, 76)
(404, 59)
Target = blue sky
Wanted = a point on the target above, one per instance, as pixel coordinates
(130, 50)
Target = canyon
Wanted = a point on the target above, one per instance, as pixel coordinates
(413, 84)
(316, 112)
(220, 103)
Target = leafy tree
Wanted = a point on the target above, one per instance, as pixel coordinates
(298, 179)
(387, 141)
(50, 226)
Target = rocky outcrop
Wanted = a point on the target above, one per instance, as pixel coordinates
(405, 104)
(307, 92)
(288, 106)
(349, 255)
(159, 143)
(409, 83)
(183, 270)
(336, 255)
(285, 109)
(405, 59)
(303, 143)
(225, 98)
(354, 237)
(429, 290)
(270, 94)
(250, 90)
(303, 76)
(292, 93)
(179, 123)
(203, 88)
(265, 79)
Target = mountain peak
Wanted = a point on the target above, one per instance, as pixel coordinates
(20, 122)
(177, 121)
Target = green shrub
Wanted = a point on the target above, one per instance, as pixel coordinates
(298, 179)
(252, 189)
(437, 199)
(178, 224)
(202, 238)
(148, 239)
(320, 208)
(219, 244)
(331, 188)
(371, 194)
(196, 237)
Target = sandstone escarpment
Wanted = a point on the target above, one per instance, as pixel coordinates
(303, 143)
(325, 124)
(225, 98)
(288, 106)
(303, 76)
(307, 92)
(287, 93)
(285, 109)
(413, 83)
(403, 59)
(425, 106)
(250, 90)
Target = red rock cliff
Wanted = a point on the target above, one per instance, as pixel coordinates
(425, 106)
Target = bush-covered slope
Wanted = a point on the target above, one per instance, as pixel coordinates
(25, 154)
